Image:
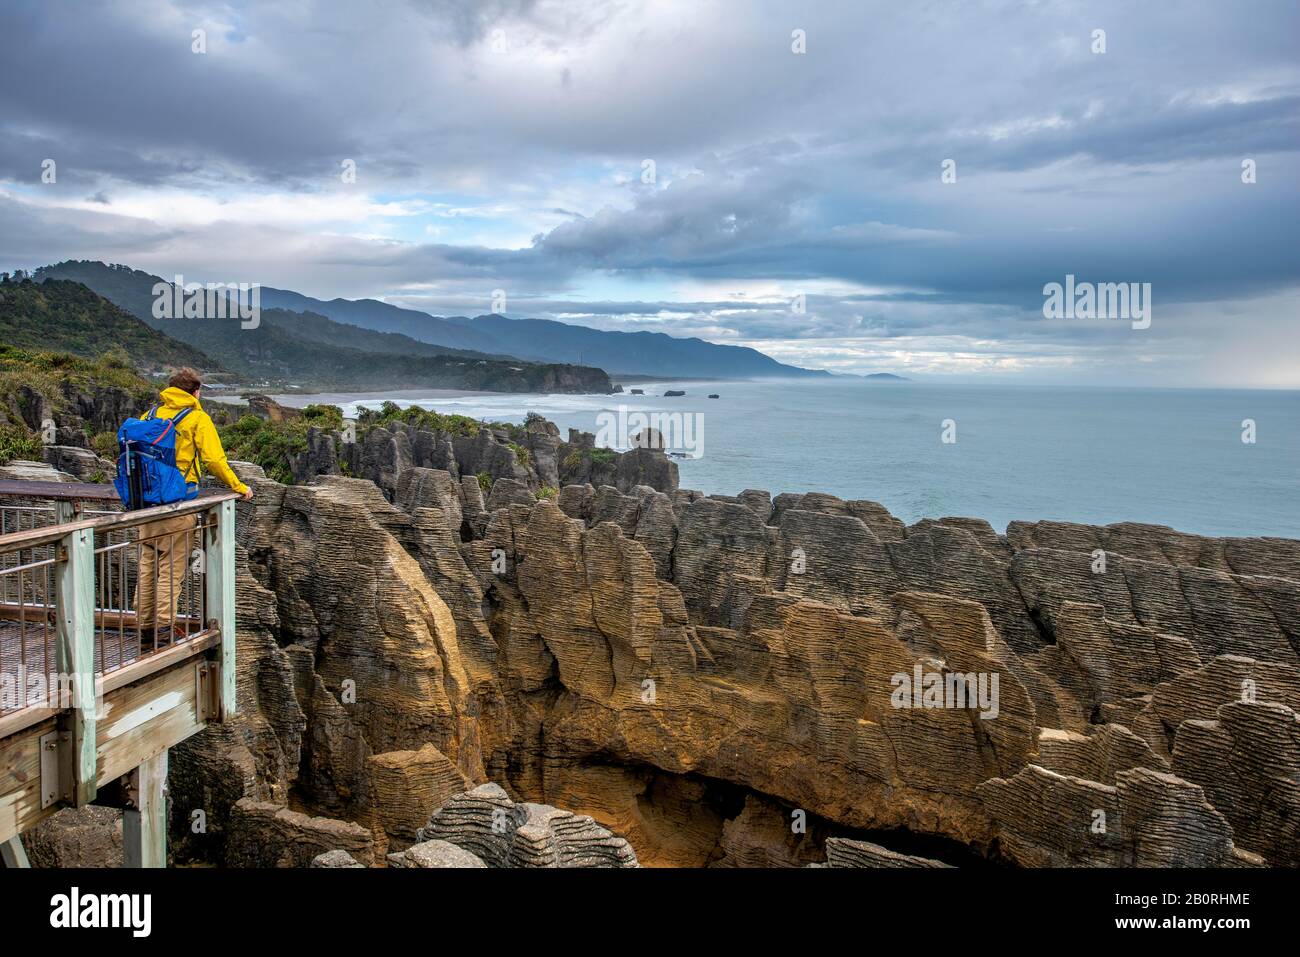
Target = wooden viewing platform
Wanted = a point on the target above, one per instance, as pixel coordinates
(91, 698)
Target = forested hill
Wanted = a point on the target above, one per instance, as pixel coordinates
(66, 316)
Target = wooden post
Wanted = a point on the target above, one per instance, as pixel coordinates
(74, 585)
(219, 567)
(144, 822)
(12, 853)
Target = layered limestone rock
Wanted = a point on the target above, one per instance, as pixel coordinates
(1270, 557)
(842, 852)
(263, 834)
(1248, 764)
(21, 470)
(500, 833)
(1217, 612)
(692, 672)
(353, 696)
(432, 854)
(1146, 819)
(89, 836)
(765, 834)
(336, 860)
(406, 787)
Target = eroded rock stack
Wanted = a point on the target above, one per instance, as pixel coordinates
(533, 456)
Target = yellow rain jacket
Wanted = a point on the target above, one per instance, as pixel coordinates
(196, 431)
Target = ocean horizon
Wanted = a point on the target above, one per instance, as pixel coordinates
(1219, 462)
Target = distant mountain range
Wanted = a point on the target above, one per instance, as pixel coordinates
(313, 351)
(374, 326)
(382, 317)
(543, 340)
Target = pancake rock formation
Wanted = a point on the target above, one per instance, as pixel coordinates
(738, 681)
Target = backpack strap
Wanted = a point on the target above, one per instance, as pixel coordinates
(172, 423)
(196, 463)
(150, 414)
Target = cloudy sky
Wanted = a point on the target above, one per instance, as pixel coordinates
(676, 165)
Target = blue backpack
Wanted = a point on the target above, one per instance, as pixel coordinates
(146, 466)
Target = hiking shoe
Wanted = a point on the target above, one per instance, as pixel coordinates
(150, 636)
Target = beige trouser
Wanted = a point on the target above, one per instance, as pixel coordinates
(165, 547)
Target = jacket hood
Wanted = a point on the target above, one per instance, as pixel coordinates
(178, 398)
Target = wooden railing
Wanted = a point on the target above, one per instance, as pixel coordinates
(93, 599)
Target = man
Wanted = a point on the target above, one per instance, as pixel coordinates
(166, 545)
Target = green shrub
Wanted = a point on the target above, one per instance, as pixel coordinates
(115, 357)
(18, 442)
(598, 457)
(104, 445)
(521, 454)
(484, 481)
(326, 417)
(274, 445)
(429, 420)
(547, 492)
(55, 375)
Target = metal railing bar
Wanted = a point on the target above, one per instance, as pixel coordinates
(113, 548)
(28, 566)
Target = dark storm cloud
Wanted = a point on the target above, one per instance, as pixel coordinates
(95, 89)
(803, 171)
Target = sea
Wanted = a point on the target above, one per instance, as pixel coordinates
(1211, 462)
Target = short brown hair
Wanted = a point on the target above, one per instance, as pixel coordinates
(186, 379)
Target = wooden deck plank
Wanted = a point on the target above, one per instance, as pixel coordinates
(145, 719)
(136, 724)
(20, 780)
(59, 491)
(33, 537)
(220, 583)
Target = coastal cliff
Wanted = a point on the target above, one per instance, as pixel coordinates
(442, 606)
(715, 679)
